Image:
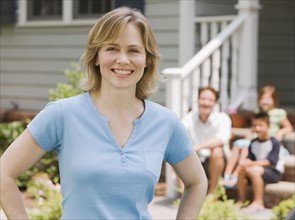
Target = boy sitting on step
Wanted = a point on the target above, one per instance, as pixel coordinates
(263, 164)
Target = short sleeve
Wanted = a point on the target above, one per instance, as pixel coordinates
(47, 127)
(282, 114)
(179, 146)
(273, 156)
(250, 155)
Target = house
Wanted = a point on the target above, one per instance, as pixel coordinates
(39, 41)
(248, 43)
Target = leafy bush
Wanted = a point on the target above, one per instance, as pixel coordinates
(69, 89)
(9, 132)
(48, 197)
(283, 208)
(219, 206)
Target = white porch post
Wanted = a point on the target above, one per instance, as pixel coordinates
(173, 102)
(186, 52)
(186, 31)
(248, 52)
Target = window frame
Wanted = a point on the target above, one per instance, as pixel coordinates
(32, 17)
(66, 19)
(77, 15)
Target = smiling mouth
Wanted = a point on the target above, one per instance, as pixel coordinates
(122, 72)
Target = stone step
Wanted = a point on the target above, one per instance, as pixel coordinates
(276, 192)
(273, 193)
(289, 142)
(289, 174)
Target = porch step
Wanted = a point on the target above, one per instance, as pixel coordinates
(289, 142)
(275, 192)
(289, 174)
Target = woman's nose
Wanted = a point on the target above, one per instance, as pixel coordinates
(123, 59)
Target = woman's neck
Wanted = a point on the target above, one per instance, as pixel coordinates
(110, 103)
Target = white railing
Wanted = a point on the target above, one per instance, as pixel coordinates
(227, 62)
(208, 67)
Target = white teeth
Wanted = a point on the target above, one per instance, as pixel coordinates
(123, 72)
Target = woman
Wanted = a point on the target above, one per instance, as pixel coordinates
(110, 141)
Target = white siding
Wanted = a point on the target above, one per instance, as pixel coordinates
(33, 61)
(163, 16)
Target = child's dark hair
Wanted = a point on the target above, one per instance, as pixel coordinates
(262, 116)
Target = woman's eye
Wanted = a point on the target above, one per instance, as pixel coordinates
(111, 49)
(134, 51)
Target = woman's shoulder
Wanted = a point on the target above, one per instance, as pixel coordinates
(70, 101)
(156, 110)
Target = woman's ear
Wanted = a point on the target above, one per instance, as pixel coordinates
(97, 61)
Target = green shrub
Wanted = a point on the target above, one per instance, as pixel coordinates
(219, 206)
(283, 208)
(48, 198)
(9, 131)
(69, 89)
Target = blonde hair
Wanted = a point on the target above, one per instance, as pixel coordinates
(106, 30)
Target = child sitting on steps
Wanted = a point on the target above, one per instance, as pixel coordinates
(279, 126)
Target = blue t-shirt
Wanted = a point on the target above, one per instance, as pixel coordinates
(99, 179)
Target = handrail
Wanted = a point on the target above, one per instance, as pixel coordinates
(214, 18)
(207, 50)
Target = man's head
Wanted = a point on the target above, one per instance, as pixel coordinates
(207, 99)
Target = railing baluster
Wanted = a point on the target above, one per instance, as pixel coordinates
(196, 85)
(204, 33)
(215, 59)
(215, 69)
(234, 67)
(186, 95)
(224, 73)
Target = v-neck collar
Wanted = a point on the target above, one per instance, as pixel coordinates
(137, 123)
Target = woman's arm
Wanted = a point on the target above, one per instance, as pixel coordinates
(192, 174)
(22, 154)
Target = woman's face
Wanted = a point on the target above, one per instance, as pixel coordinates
(122, 62)
(266, 102)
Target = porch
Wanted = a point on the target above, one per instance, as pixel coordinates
(227, 61)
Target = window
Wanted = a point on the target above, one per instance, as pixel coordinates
(67, 12)
(44, 9)
(91, 8)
